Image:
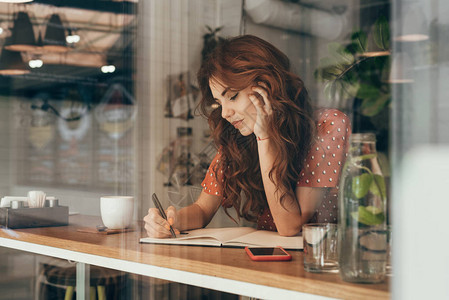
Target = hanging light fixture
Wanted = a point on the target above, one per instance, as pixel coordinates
(11, 63)
(72, 37)
(55, 38)
(412, 25)
(22, 37)
(35, 61)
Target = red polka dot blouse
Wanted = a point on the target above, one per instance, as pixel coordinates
(322, 167)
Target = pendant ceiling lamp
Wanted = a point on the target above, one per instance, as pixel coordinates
(11, 63)
(22, 37)
(412, 25)
(55, 37)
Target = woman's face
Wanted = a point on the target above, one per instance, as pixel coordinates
(236, 107)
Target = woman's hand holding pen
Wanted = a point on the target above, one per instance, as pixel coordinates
(156, 226)
(264, 110)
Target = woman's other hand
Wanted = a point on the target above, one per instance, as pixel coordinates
(158, 227)
(264, 111)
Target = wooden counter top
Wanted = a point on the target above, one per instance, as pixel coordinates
(124, 252)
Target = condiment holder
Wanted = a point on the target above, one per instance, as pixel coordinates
(36, 210)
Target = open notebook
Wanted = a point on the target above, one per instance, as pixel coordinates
(232, 237)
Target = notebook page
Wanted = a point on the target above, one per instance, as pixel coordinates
(219, 234)
(203, 236)
(264, 238)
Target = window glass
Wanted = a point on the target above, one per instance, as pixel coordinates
(100, 99)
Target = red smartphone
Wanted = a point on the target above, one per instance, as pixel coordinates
(268, 253)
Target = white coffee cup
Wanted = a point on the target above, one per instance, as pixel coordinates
(117, 211)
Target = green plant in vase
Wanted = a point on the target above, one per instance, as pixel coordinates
(362, 213)
(363, 184)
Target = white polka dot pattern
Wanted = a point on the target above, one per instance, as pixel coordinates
(324, 161)
(210, 184)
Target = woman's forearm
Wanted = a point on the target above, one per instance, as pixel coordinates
(190, 217)
(287, 217)
(198, 214)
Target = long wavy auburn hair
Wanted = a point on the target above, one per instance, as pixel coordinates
(238, 63)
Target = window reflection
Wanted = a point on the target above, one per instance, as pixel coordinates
(107, 104)
(74, 121)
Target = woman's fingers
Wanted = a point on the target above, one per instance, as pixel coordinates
(257, 104)
(155, 225)
(262, 103)
(171, 215)
(261, 89)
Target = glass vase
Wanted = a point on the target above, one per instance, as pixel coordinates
(362, 213)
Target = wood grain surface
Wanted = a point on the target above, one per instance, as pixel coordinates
(229, 263)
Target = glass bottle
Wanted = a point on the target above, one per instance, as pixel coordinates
(362, 213)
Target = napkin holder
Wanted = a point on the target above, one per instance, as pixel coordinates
(34, 217)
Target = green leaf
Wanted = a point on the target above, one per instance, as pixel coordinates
(359, 41)
(368, 91)
(329, 69)
(373, 210)
(339, 54)
(371, 107)
(381, 33)
(326, 62)
(378, 187)
(346, 56)
(369, 215)
(331, 72)
(354, 48)
(361, 185)
(329, 90)
(350, 88)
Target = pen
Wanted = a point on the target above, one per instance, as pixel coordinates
(162, 212)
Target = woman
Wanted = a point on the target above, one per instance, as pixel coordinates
(276, 158)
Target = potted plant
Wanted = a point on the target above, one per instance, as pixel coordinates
(355, 79)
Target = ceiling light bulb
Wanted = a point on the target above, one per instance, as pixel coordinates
(35, 63)
(73, 39)
(108, 69)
